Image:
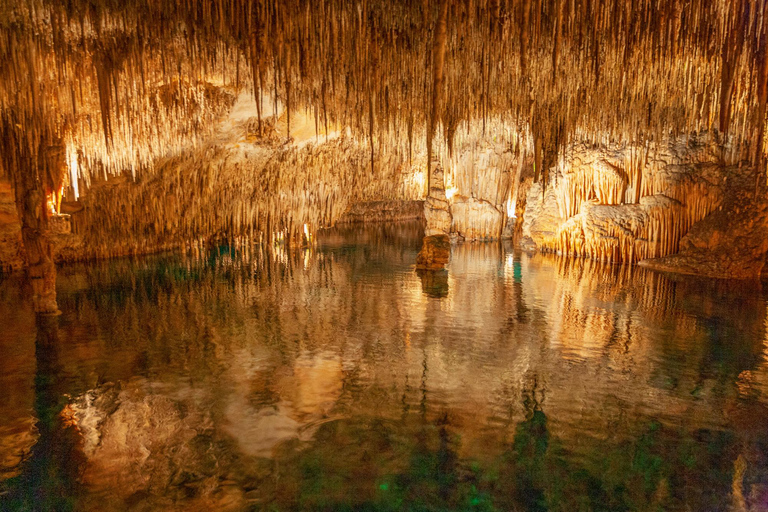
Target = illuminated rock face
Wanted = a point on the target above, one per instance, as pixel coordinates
(627, 204)
(383, 211)
(476, 219)
(404, 79)
(613, 203)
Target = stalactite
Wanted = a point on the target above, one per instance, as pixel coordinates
(138, 80)
(438, 63)
(257, 48)
(761, 56)
(606, 219)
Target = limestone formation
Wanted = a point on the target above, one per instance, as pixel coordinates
(11, 255)
(383, 211)
(625, 204)
(731, 242)
(136, 90)
(476, 219)
(437, 210)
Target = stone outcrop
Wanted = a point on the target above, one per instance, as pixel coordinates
(436, 250)
(624, 203)
(731, 242)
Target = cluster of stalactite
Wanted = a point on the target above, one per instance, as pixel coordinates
(96, 72)
(237, 193)
(626, 204)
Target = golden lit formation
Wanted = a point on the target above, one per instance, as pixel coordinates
(493, 255)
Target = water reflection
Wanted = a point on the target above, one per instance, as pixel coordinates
(336, 377)
(434, 283)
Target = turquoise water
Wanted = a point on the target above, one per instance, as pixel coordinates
(338, 378)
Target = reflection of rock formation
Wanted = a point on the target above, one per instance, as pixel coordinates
(435, 253)
(146, 443)
(17, 355)
(285, 376)
(434, 283)
(50, 478)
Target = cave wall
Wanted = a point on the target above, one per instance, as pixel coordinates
(630, 203)
(238, 184)
(258, 185)
(680, 205)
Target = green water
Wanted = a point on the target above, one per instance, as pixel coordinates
(338, 378)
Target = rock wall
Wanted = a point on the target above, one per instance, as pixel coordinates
(732, 241)
(480, 179)
(236, 185)
(611, 202)
(630, 204)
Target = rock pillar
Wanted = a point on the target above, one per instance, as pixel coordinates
(31, 204)
(436, 250)
(36, 170)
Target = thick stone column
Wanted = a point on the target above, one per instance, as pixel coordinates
(436, 250)
(36, 169)
(33, 157)
(31, 204)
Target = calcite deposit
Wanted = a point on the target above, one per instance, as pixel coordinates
(131, 117)
(629, 204)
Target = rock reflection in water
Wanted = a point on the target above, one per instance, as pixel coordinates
(332, 378)
(434, 283)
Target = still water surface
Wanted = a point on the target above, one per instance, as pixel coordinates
(338, 378)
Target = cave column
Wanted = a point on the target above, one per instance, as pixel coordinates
(31, 204)
(34, 215)
(436, 250)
